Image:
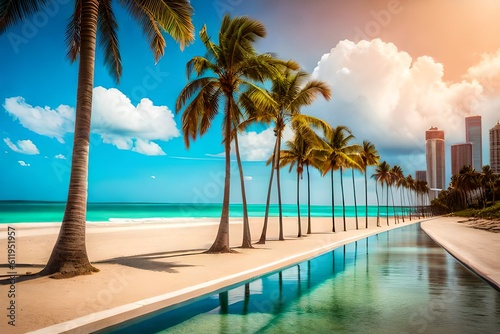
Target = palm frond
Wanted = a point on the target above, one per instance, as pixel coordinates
(107, 28)
(73, 30)
(190, 90)
(199, 65)
(14, 11)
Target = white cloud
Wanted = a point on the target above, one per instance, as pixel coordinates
(24, 164)
(54, 123)
(259, 146)
(114, 118)
(248, 178)
(130, 127)
(60, 156)
(23, 146)
(387, 97)
(153, 177)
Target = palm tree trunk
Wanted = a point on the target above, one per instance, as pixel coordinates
(247, 238)
(402, 194)
(308, 201)
(262, 239)
(378, 204)
(69, 255)
(280, 209)
(355, 200)
(299, 234)
(221, 243)
(386, 202)
(333, 203)
(410, 210)
(343, 200)
(366, 199)
(396, 218)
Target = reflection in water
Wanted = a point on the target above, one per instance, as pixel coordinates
(395, 282)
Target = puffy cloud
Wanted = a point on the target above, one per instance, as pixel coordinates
(60, 156)
(114, 118)
(248, 178)
(258, 146)
(23, 164)
(153, 177)
(130, 127)
(54, 123)
(23, 146)
(385, 96)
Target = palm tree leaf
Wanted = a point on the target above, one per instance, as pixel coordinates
(107, 28)
(13, 11)
(190, 90)
(73, 29)
(199, 65)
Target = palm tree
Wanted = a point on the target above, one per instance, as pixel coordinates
(340, 155)
(281, 105)
(368, 157)
(488, 180)
(383, 176)
(304, 149)
(220, 74)
(410, 186)
(91, 18)
(397, 181)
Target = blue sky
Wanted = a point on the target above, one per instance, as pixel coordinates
(396, 68)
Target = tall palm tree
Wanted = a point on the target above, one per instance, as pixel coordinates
(340, 155)
(410, 186)
(368, 157)
(488, 180)
(383, 176)
(90, 19)
(226, 68)
(281, 105)
(306, 148)
(396, 181)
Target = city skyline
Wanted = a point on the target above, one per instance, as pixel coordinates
(390, 75)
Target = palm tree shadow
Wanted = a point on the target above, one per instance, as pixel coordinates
(152, 261)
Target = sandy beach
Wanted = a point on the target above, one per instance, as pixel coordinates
(148, 265)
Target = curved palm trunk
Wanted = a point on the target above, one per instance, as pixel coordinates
(221, 243)
(333, 203)
(69, 255)
(343, 199)
(366, 200)
(262, 239)
(247, 238)
(280, 209)
(355, 200)
(299, 233)
(308, 201)
(378, 205)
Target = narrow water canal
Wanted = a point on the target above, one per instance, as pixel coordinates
(398, 281)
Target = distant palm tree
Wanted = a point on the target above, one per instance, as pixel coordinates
(383, 176)
(396, 181)
(90, 19)
(369, 157)
(220, 76)
(340, 156)
(304, 149)
(357, 166)
(410, 186)
(281, 105)
(488, 180)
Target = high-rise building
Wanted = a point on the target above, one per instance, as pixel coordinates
(421, 175)
(473, 135)
(461, 155)
(495, 148)
(435, 158)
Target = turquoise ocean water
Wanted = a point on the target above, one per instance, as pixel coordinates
(27, 211)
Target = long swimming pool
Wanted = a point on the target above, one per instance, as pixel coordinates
(399, 281)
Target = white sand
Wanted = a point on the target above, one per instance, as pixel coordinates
(145, 266)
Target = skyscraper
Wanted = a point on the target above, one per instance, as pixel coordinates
(473, 135)
(461, 155)
(495, 148)
(435, 158)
